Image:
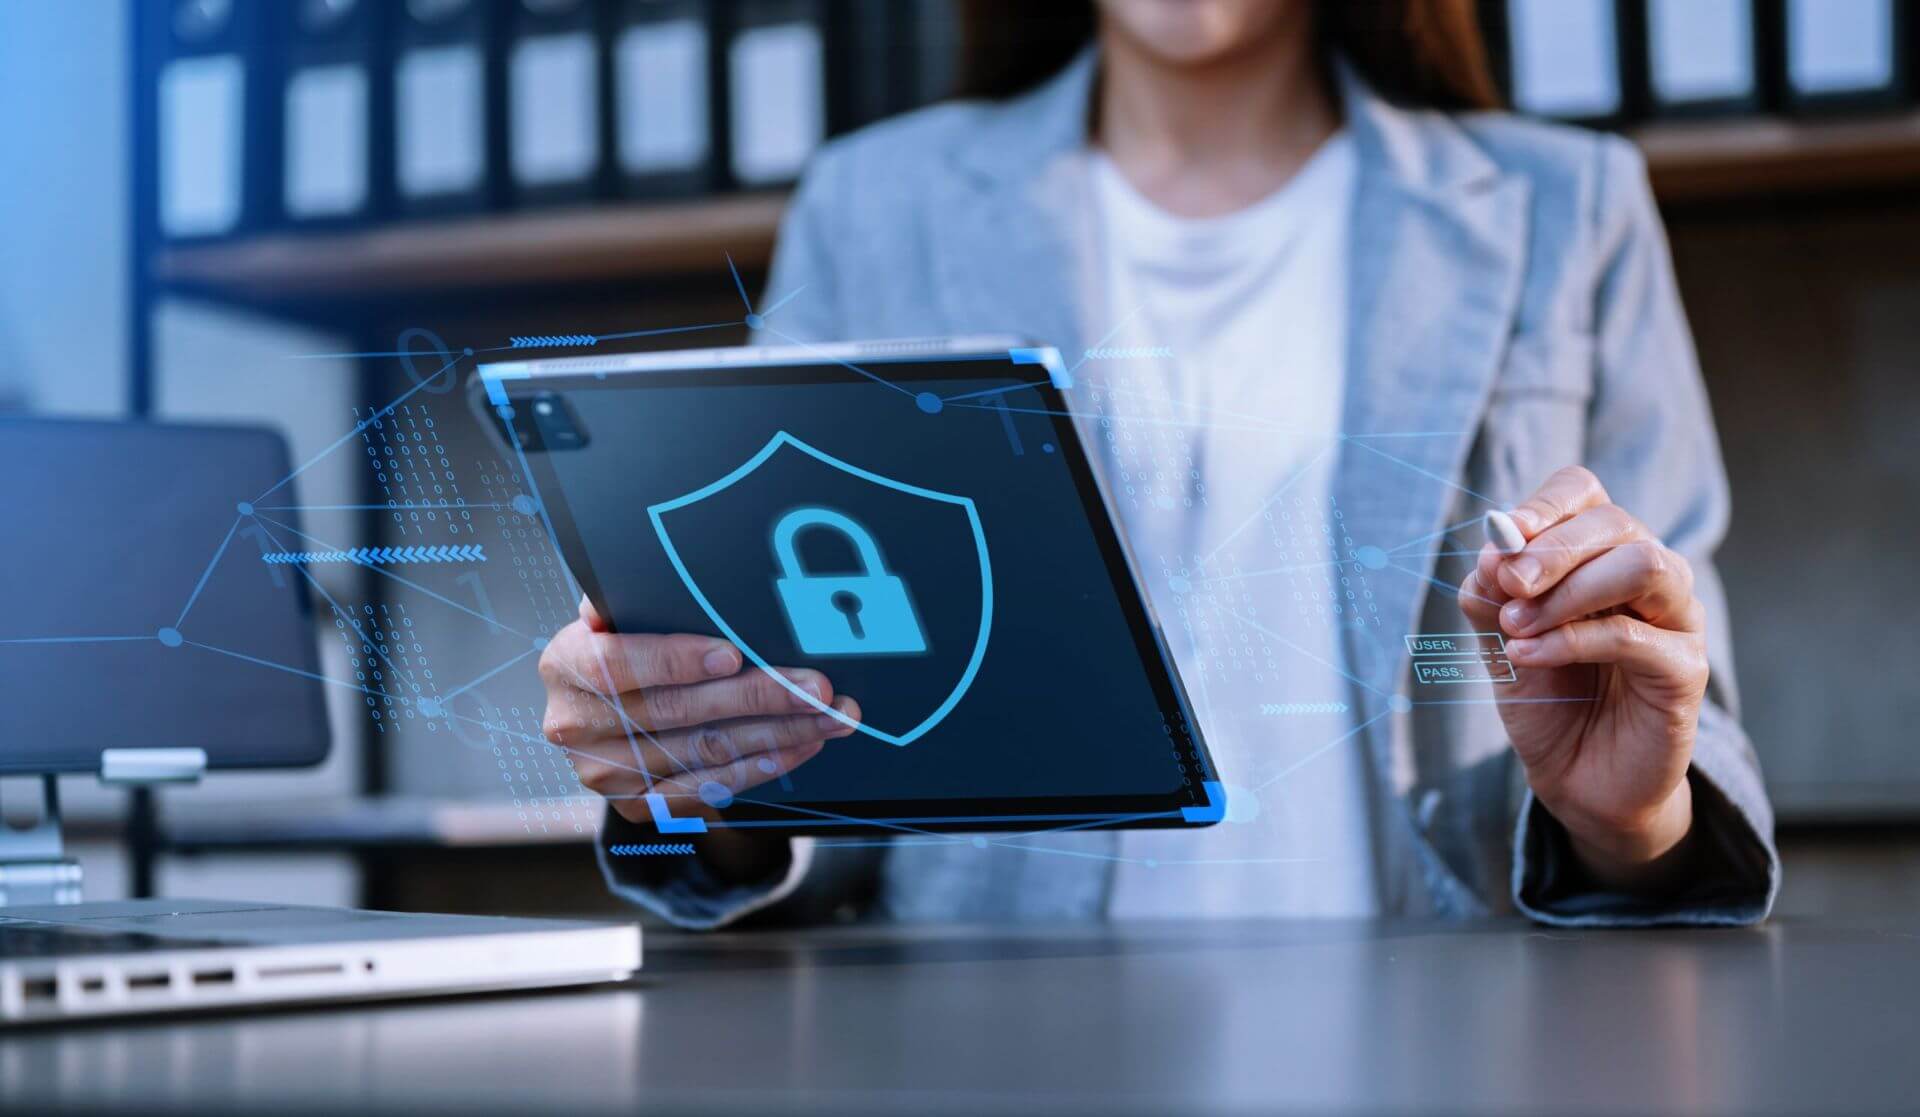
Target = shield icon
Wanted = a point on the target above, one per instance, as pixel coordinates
(911, 641)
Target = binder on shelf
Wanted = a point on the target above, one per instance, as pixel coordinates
(334, 116)
(556, 70)
(935, 47)
(665, 84)
(888, 56)
(776, 89)
(1702, 57)
(1838, 55)
(447, 127)
(1567, 60)
(869, 62)
(211, 170)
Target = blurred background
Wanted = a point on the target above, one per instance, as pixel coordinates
(212, 209)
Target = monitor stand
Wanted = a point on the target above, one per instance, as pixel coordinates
(34, 867)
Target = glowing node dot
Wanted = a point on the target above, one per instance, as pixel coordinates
(1046, 447)
(1152, 863)
(467, 352)
(1179, 585)
(1373, 558)
(715, 794)
(767, 765)
(431, 708)
(1163, 501)
(979, 843)
(540, 643)
(245, 508)
(929, 403)
(524, 505)
(505, 411)
(170, 637)
(754, 321)
(1399, 703)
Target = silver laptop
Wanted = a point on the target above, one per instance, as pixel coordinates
(163, 644)
(72, 961)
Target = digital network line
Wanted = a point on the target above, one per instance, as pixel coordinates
(359, 428)
(218, 552)
(76, 639)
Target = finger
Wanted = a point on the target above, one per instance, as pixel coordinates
(575, 714)
(590, 616)
(677, 751)
(718, 746)
(1655, 583)
(1479, 603)
(618, 765)
(614, 664)
(1628, 642)
(1566, 494)
(607, 768)
(673, 755)
(1553, 554)
(746, 694)
(746, 773)
(1487, 565)
(684, 788)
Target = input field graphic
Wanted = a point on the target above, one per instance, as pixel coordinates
(1441, 658)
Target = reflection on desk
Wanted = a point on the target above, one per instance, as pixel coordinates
(1326, 1017)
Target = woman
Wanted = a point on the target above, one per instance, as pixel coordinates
(1317, 298)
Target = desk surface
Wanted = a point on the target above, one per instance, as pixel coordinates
(1326, 1018)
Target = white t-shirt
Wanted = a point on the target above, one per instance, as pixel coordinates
(1212, 403)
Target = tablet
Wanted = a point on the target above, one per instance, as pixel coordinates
(915, 519)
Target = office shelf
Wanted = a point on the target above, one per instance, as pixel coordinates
(1689, 162)
(625, 241)
(1707, 161)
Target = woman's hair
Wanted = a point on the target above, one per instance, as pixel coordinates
(1416, 53)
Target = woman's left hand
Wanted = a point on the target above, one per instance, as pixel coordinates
(1609, 648)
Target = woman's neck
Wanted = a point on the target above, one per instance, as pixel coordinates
(1209, 138)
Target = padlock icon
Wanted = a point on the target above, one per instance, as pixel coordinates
(844, 614)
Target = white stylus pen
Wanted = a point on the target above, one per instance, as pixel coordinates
(1504, 534)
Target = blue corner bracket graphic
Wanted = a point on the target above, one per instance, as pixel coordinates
(667, 824)
(1216, 808)
(780, 439)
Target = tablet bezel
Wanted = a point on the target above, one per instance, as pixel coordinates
(1199, 799)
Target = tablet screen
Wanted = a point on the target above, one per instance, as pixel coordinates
(923, 530)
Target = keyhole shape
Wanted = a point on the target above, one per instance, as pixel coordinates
(849, 603)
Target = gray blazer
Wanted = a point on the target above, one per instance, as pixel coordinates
(1509, 282)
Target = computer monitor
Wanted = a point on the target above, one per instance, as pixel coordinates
(142, 606)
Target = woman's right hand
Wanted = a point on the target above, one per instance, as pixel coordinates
(692, 716)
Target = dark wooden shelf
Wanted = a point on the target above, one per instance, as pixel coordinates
(1716, 160)
(602, 243)
(1689, 162)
